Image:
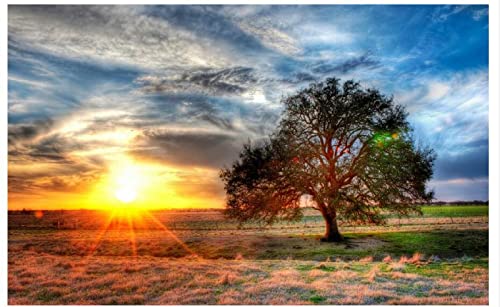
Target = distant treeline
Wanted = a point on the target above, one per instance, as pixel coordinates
(460, 202)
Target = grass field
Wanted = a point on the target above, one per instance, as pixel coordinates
(198, 257)
(455, 211)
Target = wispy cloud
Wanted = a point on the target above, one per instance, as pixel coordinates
(229, 81)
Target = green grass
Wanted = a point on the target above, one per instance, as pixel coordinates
(443, 269)
(317, 299)
(309, 267)
(454, 211)
(445, 244)
(442, 243)
(450, 211)
(305, 267)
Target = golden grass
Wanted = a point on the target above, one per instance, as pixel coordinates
(125, 264)
(36, 278)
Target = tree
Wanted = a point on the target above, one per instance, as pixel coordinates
(348, 148)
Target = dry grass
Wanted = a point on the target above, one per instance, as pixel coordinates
(214, 220)
(234, 267)
(50, 279)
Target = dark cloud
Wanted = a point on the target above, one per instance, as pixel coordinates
(220, 122)
(229, 81)
(65, 174)
(228, 115)
(76, 183)
(195, 109)
(471, 164)
(23, 132)
(212, 150)
(59, 184)
(183, 108)
(300, 77)
(80, 179)
(53, 148)
(20, 184)
(364, 61)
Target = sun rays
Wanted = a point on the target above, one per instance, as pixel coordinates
(125, 193)
(131, 229)
(171, 234)
(124, 222)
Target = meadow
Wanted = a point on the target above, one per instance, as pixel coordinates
(199, 257)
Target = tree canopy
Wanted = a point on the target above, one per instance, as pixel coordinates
(348, 148)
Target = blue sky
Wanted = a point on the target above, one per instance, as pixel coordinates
(185, 86)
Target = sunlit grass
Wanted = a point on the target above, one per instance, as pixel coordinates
(36, 279)
(125, 256)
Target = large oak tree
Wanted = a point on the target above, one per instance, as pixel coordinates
(349, 148)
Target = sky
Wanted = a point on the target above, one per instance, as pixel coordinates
(109, 103)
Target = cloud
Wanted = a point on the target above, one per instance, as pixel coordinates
(364, 61)
(271, 37)
(443, 13)
(301, 77)
(471, 164)
(182, 109)
(193, 149)
(313, 33)
(271, 25)
(463, 189)
(40, 184)
(23, 132)
(205, 185)
(229, 81)
(28, 82)
(120, 35)
(41, 172)
(437, 91)
(52, 148)
(479, 14)
(449, 112)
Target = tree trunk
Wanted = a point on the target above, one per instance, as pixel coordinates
(332, 233)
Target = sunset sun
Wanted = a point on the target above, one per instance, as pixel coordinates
(126, 195)
(126, 182)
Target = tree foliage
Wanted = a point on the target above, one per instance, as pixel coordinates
(349, 148)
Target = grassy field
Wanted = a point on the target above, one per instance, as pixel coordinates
(198, 257)
(455, 211)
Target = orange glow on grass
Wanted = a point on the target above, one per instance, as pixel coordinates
(125, 222)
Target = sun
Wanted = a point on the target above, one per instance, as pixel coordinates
(127, 182)
(131, 186)
(126, 195)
